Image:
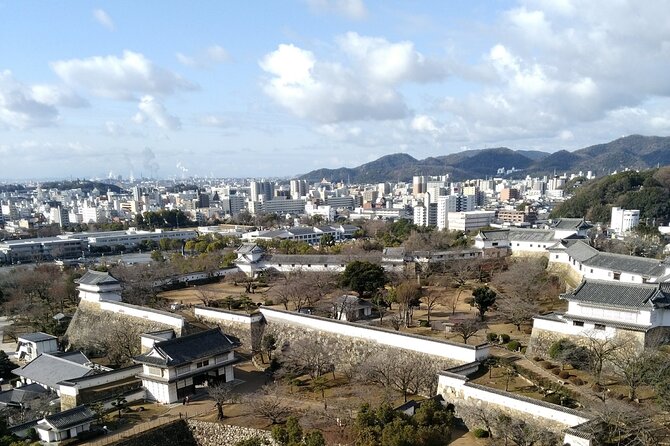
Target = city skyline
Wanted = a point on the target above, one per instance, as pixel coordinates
(275, 89)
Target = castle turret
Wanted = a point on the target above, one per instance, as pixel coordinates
(95, 286)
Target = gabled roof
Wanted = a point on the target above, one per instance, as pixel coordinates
(353, 302)
(581, 251)
(566, 224)
(494, 234)
(96, 278)
(628, 295)
(532, 235)
(36, 337)
(249, 248)
(50, 369)
(21, 394)
(622, 262)
(187, 349)
(67, 418)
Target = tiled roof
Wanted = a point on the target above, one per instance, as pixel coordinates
(498, 234)
(71, 417)
(532, 235)
(625, 263)
(50, 370)
(570, 223)
(187, 349)
(96, 278)
(581, 251)
(36, 337)
(629, 295)
(248, 248)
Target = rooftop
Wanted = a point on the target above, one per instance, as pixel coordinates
(628, 295)
(96, 278)
(49, 370)
(187, 349)
(36, 337)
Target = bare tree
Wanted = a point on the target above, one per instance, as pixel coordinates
(524, 433)
(619, 423)
(431, 300)
(408, 295)
(222, 394)
(517, 310)
(269, 402)
(310, 356)
(466, 329)
(407, 372)
(634, 366)
(600, 350)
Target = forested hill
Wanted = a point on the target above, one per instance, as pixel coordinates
(630, 152)
(648, 191)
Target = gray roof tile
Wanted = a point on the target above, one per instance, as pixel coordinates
(96, 278)
(51, 369)
(628, 295)
(187, 349)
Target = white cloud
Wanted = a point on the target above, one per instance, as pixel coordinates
(215, 121)
(367, 88)
(207, 58)
(390, 63)
(57, 96)
(104, 19)
(152, 110)
(20, 108)
(123, 77)
(351, 9)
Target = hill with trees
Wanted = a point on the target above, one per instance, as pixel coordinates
(632, 152)
(648, 191)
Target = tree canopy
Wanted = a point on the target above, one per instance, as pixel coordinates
(363, 277)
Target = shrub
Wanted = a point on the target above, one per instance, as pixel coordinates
(492, 337)
(596, 387)
(423, 323)
(504, 338)
(560, 346)
(523, 350)
(469, 301)
(547, 365)
(537, 359)
(564, 374)
(268, 302)
(513, 346)
(553, 398)
(556, 371)
(528, 330)
(620, 396)
(480, 433)
(576, 380)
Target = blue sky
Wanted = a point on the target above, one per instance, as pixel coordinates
(276, 88)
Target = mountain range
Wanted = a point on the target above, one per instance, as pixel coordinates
(632, 152)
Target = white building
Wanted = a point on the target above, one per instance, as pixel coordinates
(469, 221)
(604, 309)
(173, 368)
(31, 345)
(624, 220)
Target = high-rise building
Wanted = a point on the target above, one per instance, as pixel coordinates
(418, 185)
(298, 188)
(261, 190)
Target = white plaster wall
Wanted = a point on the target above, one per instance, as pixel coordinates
(225, 316)
(162, 392)
(314, 267)
(567, 328)
(573, 440)
(144, 313)
(641, 317)
(450, 387)
(447, 350)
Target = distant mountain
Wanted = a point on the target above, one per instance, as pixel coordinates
(633, 152)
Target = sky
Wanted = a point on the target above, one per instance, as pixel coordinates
(170, 89)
